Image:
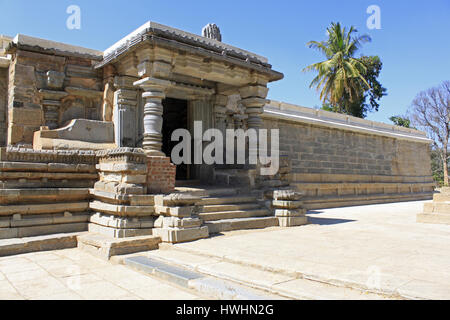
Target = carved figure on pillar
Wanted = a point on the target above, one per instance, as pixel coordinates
(108, 94)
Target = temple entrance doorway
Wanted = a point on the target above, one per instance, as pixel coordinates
(175, 116)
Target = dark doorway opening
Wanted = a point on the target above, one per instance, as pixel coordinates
(175, 116)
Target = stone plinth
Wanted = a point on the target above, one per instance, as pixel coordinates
(288, 208)
(44, 192)
(437, 211)
(120, 202)
(176, 222)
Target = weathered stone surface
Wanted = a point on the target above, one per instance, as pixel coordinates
(38, 243)
(286, 204)
(174, 211)
(15, 154)
(286, 195)
(175, 222)
(175, 235)
(43, 208)
(121, 222)
(121, 210)
(176, 199)
(118, 233)
(22, 232)
(241, 224)
(289, 212)
(106, 247)
(79, 134)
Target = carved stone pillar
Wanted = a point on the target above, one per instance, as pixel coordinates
(51, 113)
(154, 93)
(229, 119)
(51, 104)
(125, 113)
(254, 99)
(51, 98)
(220, 109)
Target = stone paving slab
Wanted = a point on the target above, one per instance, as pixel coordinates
(72, 274)
(380, 248)
(182, 274)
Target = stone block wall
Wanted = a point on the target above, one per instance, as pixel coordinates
(3, 105)
(335, 166)
(44, 192)
(49, 87)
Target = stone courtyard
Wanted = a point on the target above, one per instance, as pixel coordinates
(364, 252)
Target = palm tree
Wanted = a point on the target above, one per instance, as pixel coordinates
(340, 78)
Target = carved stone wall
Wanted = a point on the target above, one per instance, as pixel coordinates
(3, 105)
(49, 90)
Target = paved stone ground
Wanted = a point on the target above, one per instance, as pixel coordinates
(376, 247)
(72, 274)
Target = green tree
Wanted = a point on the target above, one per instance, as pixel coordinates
(401, 121)
(368, 100)
(345, 82)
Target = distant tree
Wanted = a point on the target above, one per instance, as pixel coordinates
(344, 81)
(329, 107)
(369, 97)
(430, 111)
(436, 166)
(401, 121)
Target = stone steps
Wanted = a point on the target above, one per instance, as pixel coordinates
(207, 191)
(311, 203)
(224, 212)
(437, 207)
(266, 281)
(241, 224)
(435, 218)
(29, 209)
(226, 200)
(232, 177)
(49, 195)
(441, 197)
(54, 241)
(229, 207)
(235, 214)
(184, 276)
(105, 247)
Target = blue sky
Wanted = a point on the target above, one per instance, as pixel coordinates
(413, 43)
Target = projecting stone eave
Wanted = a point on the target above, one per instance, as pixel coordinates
(168, 37)
(39, 45)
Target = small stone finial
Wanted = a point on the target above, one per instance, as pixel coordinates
(212, 31)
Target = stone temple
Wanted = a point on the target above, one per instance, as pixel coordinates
(85, 141)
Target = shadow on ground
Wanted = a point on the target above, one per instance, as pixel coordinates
(327, 221)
